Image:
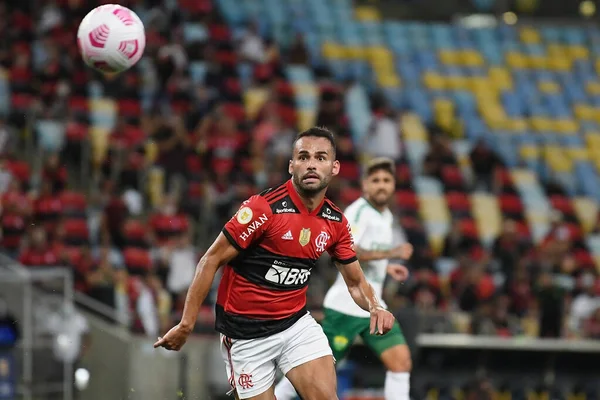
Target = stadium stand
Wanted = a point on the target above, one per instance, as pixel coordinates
(495, 132)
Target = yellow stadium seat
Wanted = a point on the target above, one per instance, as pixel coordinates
(434, 81)
(254, 99)
(487, 215)
(578, 154)
(592, 139)
(549, 87)
(433, 208)
(541, 123)
(586, 210)
(306, 89)
(355, 52)
(99, 143)
(412, 128)
(156, 186)
(516, 60)
(4, 74)
(578, 52)
(449, 57)
(593, 88)
(333, 51)
(437, 243)
(151, 150)
(472, 58)
(566, 126)
(523, 177)
(516, 125)
(598, 66)
(375, 53)
(306, 119)
(537, 62)
(529, 35)
(388, 80)
(367, 13)
(584, 112)
(500, 78)
(457, 82)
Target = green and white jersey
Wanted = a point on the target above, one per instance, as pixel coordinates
(372, 230)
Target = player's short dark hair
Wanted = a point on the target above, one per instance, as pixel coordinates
(379, 164)
(318, 131)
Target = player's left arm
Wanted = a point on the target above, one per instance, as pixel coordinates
(363, 294)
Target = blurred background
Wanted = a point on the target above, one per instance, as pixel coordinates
(112, 188)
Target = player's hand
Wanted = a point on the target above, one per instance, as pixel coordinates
(174, 339)
(404, 251)
(398, 272)
(382, 321)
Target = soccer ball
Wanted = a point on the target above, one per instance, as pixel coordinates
(111, 38)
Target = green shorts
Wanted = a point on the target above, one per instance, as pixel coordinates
(342, 329)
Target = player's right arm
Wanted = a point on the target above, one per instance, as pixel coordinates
(220, 253)
(246, 226)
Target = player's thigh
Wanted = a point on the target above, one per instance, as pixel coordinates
(307, 360)
(341, 330)
(268, 395)
(250, 366)
(391, 349)
(315, 379)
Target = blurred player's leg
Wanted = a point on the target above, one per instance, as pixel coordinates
(397, 379)
(395, 355)
(285, 390)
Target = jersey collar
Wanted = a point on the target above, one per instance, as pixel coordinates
(298, 201)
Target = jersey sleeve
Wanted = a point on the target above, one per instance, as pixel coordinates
(342, 250)
(359, 222)
(249, 223)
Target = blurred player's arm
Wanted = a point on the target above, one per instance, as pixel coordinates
(403, 252)
(220, 253)
(360, 289)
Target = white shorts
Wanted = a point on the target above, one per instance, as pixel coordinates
(251, 364)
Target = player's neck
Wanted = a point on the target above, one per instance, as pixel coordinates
(381, 209)
(311, 201)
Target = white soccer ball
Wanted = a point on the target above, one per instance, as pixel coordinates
(111, 38)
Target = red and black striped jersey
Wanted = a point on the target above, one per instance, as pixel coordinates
(263, 290)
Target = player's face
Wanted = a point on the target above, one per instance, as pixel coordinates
(379, 187)
(313, 165)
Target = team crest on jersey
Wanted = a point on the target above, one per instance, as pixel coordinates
(321, 241)
(304, 236)
(245, 215)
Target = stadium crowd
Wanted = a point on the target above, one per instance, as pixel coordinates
(133, 241)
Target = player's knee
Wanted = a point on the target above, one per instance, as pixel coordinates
(398, 359)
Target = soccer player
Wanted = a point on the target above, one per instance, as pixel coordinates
(269, 248)
(371, 222)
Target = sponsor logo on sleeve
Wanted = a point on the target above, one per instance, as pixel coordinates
(253, 226)
(328, 215)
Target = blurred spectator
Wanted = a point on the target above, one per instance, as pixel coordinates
(584, 304)
(38, 251)
(252, 47)
(298, 51)
(456, 243)
(551, 300)
(383, 137)
(9, 327)
(484, 161)
(440, 154)
(591, 326)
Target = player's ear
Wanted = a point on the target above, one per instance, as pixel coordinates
(290, 170)
(336, 168)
